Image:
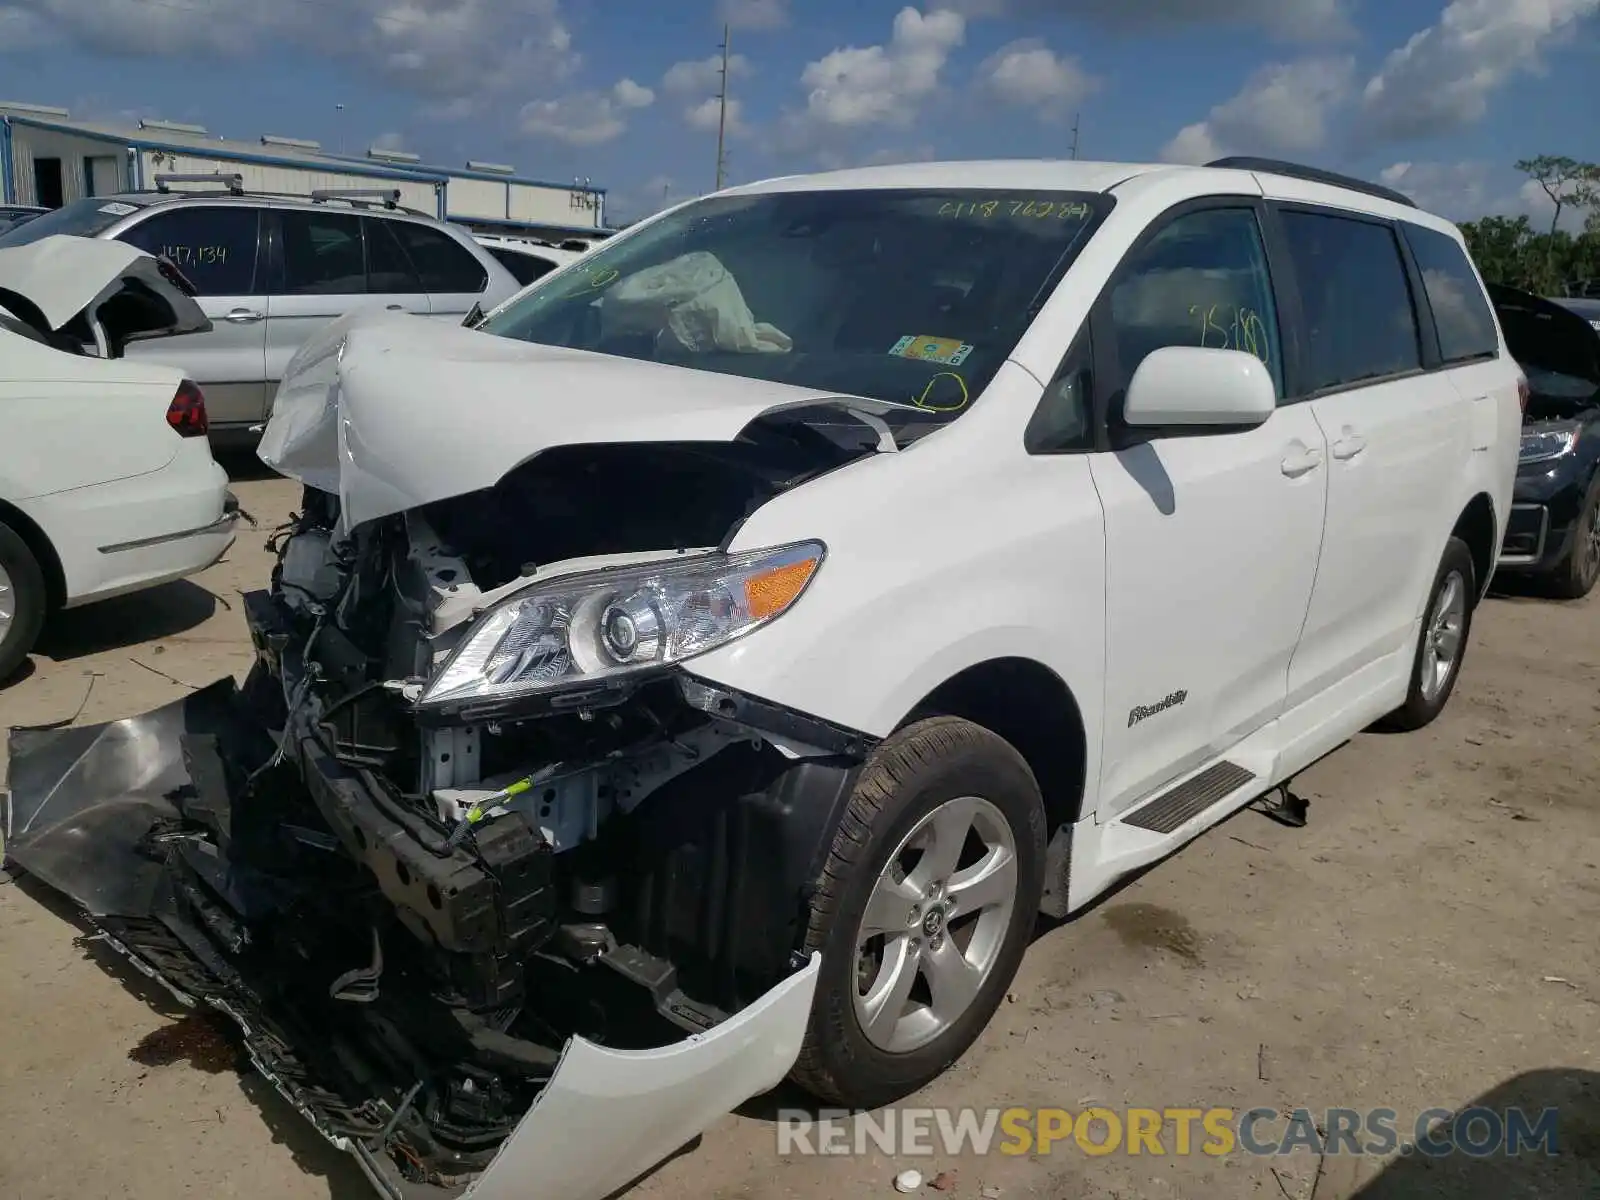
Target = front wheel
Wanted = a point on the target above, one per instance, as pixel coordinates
(1576, 576)
(1443, 642)
(923, 911)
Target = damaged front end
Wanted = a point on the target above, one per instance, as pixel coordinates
(468, 890)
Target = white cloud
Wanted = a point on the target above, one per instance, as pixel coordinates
(705, 115)
(698, 82)
(754, 14)
(456, 54)
(1028, 74)
(883, 85)
(702, 75)
(1283, 109)
(629, 94)
(1442, 78)
(585, 118)
(389, 141)
(1467, 190)
(1458, 190)
(1289, 20)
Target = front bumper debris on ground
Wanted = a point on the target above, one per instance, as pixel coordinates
(155, 826)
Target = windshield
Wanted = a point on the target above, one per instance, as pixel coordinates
(914, 297)
(85, 218)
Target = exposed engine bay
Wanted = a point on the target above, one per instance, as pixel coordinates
(411, 914)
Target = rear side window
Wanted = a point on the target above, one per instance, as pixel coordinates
(388, 269)
(1460, 312)
(524, 268)
(1359, 320)
(322, 254)
(443, 263)
(214, 247)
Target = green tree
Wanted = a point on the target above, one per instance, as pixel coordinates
(1565, 180)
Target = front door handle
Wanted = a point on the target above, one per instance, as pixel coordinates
(244, 316)
(394, 307)
(1348, 446)
(1301, 461)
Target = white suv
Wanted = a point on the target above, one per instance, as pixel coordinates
(813, 584)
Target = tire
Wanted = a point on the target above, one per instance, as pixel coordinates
(23, 600)
(957, 771)
(1577, 573)
(1430, 688)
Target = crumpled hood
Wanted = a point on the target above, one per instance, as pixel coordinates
(63, 275)
(391, 412)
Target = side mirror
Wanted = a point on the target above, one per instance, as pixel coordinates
(1192, 387)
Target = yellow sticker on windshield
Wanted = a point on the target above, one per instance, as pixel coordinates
(950, 352)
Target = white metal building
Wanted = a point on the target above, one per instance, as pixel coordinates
(48, 159)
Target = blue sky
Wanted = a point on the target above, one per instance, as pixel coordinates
(1437, 99)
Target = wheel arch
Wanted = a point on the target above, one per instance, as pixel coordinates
(1031, 707)
(1478, 529)
(43, 551)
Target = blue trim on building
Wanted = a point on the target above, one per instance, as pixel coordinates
(487, 176)
(224, 154)
(6, 186)
(574, 229)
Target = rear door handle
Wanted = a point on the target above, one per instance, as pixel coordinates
(244, 316)
(1301, 461)
(394, 307)
(1348, 446)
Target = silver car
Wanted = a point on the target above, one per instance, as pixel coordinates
(270, 270)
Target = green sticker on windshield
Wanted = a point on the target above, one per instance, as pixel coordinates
(950, 352)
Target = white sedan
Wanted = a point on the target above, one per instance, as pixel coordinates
(107, 484)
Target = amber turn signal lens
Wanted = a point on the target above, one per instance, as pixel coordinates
(770, 592)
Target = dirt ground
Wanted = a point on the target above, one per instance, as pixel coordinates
(1426, 941)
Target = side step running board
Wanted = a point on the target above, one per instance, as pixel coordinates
(1190, 798)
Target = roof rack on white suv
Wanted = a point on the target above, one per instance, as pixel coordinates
(1277, 166)
(234, 183)
(388, 197)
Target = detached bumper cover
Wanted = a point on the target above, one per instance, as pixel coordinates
(648, 1102)
(81, 806)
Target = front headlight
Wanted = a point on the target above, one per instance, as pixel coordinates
(588, 628)
(1548, 443)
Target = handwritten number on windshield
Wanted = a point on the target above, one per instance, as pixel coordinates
(1010, 206)
(603, 278)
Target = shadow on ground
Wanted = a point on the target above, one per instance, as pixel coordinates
(243, 466)
(161, 612)
(1571, 1172)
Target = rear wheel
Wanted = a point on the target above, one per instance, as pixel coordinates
(22, 601)
(923, 912)
(1576, 576)
(1443, 643)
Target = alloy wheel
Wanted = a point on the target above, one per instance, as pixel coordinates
(935, 924)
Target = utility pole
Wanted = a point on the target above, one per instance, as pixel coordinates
(1074, 135)
(722, 113)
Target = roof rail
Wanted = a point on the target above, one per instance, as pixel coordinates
(388, 197)
(1274, 166)
(234, 183)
